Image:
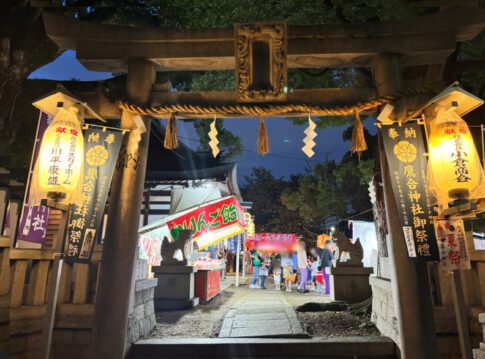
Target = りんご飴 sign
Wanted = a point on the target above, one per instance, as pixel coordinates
(211, 223)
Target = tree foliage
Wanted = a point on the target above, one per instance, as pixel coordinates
(335, 189)
(271, 215)
(229, 144)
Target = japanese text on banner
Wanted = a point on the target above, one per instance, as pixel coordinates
(405, 150)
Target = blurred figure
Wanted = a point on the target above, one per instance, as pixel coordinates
(319, 280)
(294, 258)
(276, 267)
(288, 275)
(327, 262)
(256, 258)
(264, 270)
(315, 266)
(302, 266)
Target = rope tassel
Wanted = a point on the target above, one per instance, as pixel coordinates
(263, 147)
(358, 141)
(171, 141)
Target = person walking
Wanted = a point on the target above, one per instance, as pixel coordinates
(302, 266)
(327, 262)
(288, 275)
(256, 259)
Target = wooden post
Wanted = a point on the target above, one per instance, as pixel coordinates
(410, 284)
(113, 296)
(54, 278)
(461, 315)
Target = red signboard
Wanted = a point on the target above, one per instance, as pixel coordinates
(273, 241)
(211, 223)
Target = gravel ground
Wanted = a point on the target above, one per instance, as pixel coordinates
(330, 324)
(204, 321)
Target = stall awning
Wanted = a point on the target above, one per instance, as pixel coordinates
(210, 222)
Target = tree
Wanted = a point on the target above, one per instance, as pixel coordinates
(353, 175)
(229, 144)
(335, 189)
(271, 215)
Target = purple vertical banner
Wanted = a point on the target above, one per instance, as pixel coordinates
(33, 225)
(33, 222)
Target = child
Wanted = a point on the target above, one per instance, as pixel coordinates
(315, 265)
(264, 271)
(277, 271)
(319, 281)
(287, 264)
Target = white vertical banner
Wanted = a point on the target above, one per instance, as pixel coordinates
(450, 235)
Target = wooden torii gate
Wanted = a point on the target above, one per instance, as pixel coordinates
(388, 48)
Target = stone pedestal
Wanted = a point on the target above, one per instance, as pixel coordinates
(350, 284)
(175, 289)
(480, 352)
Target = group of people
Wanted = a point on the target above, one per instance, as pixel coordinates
(293, 267)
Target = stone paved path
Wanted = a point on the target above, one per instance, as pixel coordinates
(261, 314)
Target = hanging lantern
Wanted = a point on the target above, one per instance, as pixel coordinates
(61, 154)
(454, 169)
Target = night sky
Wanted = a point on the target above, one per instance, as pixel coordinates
(285, 139)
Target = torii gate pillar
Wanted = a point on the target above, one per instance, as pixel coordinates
(410, 283)
(113, 294)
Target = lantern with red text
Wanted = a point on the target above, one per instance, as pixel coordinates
(454, 169)
(61, 154)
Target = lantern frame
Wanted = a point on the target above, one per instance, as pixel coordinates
(49, 103)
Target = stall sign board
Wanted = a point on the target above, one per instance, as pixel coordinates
(101, 150)
(273, 241)
(450, 235)
(232, 243)
(404, 147)
(212, 223)
(150, 248)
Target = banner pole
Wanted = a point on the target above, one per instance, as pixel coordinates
(244, 257)
(237, 258)
(55, 276)
(461, 315)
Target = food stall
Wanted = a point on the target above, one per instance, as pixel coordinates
(207, 279)
(210, 222)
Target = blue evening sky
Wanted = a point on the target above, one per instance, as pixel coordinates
(285, 139)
